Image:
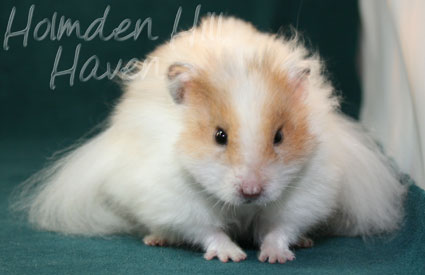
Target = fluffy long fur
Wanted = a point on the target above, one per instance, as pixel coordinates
(131, 178)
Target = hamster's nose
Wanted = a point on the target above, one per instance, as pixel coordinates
(251, 190)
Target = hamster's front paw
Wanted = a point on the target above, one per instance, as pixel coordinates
(225, 251)
(273, 253)
(154, 240)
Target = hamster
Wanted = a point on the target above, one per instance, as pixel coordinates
(228, 134)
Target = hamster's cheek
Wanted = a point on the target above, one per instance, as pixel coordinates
(280, 176)
(215, 178)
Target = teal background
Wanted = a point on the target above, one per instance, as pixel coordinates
(36, 121)
(28, 108)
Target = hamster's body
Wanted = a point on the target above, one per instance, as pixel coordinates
(229, 133)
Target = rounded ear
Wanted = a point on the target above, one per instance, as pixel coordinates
(298, 76)
(179, 75)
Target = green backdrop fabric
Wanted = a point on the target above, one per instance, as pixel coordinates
(35, 121)
(30, 109)
(26, 251)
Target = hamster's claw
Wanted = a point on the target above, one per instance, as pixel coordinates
(154, 240)
(225, 254)
(304, 242)
(273, 255)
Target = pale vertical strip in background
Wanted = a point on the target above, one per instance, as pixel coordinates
(393, 76)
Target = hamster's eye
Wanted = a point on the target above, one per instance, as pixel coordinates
(221, 137)
(278, 137)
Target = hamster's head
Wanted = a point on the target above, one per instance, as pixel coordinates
(246, 134)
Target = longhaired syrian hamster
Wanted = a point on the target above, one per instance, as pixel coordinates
(228, 134)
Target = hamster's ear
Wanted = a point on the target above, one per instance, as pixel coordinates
(179, 75)
(298, 77)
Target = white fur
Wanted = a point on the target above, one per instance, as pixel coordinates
(130, 178)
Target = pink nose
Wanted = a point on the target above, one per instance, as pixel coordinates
(251, 189)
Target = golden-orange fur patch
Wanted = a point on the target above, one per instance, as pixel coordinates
(208, 108)
(284, 109)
